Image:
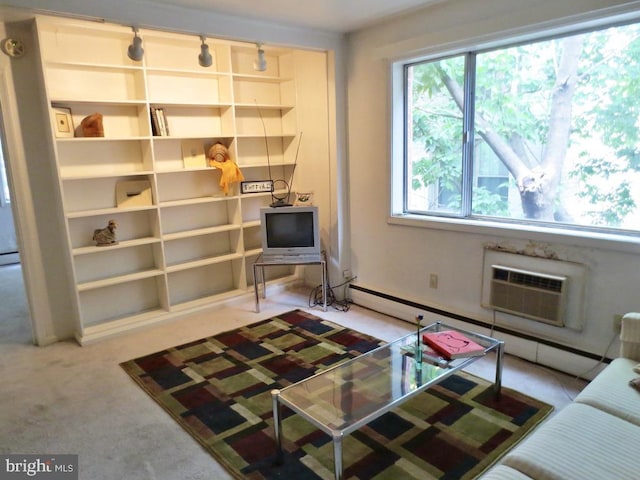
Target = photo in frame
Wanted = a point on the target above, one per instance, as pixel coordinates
(63, 122)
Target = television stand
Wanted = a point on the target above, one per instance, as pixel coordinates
(259, 266)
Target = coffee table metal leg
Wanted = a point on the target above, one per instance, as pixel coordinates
(499, 361)
(255, 288)
(277, 424)
(337, 455)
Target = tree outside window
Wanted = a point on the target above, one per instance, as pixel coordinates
(553, 132)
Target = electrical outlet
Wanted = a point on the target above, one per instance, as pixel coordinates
(433, 281)
(617, 323)
(346, 274)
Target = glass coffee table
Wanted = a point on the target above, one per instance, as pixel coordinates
(347, 396)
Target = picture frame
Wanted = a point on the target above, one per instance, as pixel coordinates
(304, 198)
(63, 122)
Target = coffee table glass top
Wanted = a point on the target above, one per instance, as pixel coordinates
(345, 397)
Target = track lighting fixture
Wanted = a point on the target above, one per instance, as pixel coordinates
(260, 63)
(204, 59)
(135, 50)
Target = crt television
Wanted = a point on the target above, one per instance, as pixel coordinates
(290, 234)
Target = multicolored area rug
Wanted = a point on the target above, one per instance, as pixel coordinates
(218, 390)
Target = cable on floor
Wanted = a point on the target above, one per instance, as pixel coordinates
(315, 296)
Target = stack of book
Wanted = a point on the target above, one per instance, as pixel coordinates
(159, 124)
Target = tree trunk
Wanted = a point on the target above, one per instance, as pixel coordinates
(538, 186)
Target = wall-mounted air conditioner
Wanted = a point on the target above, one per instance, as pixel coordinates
(534, 295)
(525, 288)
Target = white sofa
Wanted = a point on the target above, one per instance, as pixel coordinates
(597, 437)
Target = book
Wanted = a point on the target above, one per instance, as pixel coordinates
(453, 344)
(155, 127)
(162, 120)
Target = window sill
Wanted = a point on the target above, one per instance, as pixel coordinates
(580, 238)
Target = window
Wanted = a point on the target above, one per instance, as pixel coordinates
(544, 133)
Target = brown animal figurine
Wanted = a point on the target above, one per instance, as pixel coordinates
(106, 236)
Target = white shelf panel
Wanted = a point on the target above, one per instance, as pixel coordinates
(203, 262)
(192, 137)
(193, 104)
(208, 300)
(99, 158)
(127, 173)
(202, 281)
(187, 72)
(261, 78)
(133, 225)
(187, 88)
(107, 282)
(108, 211)
(252, 236)
(114, 265)
(103, 139)
(95, 84)
(118, 326)
(207, 120)
(254, 252)
(88, 102)
(252, 136)
(125, 244)
(195, 201)
(199, 232)
(264, 106)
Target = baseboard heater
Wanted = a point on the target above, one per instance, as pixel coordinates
(472, 321)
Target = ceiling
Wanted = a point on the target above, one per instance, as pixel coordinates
(332, 15)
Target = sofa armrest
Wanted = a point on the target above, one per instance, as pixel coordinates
(630, 336)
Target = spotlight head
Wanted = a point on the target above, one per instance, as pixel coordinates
(135, 50)
(204, 59)
(260, 63)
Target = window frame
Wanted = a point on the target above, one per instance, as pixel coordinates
(619, 239)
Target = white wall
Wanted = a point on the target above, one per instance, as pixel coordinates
(398, 259)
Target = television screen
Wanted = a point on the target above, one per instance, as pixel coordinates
(286, 230)
(290, 232)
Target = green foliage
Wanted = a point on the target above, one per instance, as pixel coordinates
(513, 99)
(489, 203)
(614, 200)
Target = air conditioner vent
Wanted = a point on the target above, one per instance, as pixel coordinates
(538, 296)
(528, 279)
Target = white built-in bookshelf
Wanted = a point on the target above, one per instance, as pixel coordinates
(187, 245)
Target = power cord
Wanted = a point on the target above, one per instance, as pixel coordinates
(315, 296)
(549, 371)
(581, 375)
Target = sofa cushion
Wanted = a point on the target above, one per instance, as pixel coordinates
(578, 443)
(502, 472)
(610, 391)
